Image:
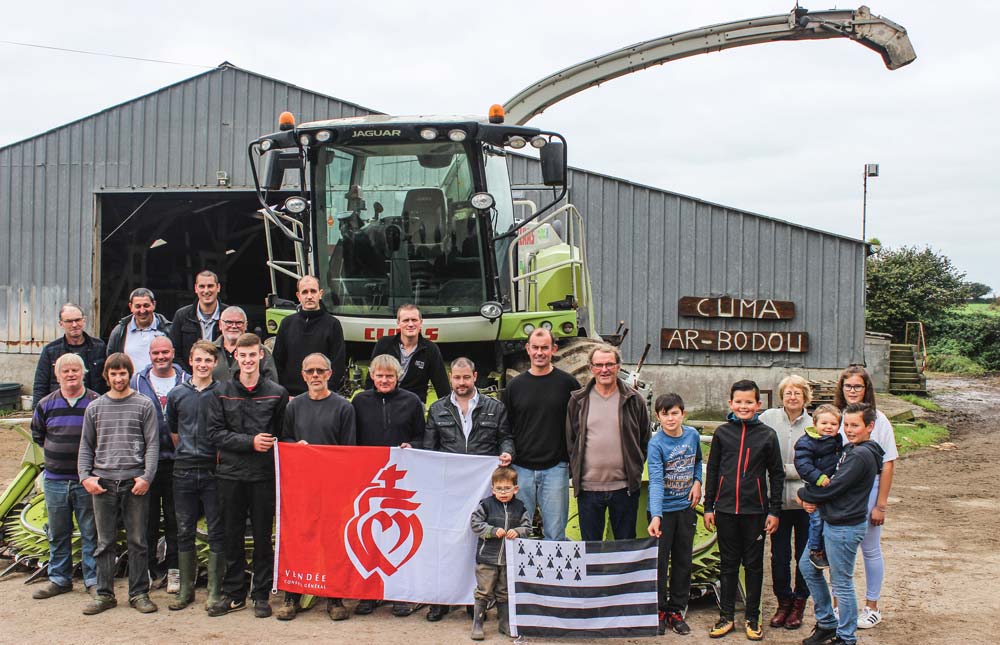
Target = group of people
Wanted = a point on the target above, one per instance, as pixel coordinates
(175, 418)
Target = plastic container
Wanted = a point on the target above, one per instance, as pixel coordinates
(10, 395)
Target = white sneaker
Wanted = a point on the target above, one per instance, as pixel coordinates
(173, 580)
(868, 618)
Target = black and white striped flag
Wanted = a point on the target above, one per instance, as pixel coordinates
(582, 589)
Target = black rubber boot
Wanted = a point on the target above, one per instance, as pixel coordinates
(503, 618)
(478, 615)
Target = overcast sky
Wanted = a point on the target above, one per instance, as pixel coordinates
(781, 129)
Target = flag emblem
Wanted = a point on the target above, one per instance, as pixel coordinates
(379, 510)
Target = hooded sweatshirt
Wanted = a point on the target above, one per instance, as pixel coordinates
(744, 474)
(845, 501)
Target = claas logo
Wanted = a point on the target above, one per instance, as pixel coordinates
(375, 333)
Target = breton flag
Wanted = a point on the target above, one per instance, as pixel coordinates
(582, 589)
(377, 523)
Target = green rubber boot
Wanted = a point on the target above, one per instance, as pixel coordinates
(188, 565)
(216, 572)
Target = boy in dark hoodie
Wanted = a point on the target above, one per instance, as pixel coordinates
(744, 482)
(844, 508)
(816, 456)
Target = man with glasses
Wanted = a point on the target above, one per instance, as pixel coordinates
(233, 323)
(198, 320)
(76, 341)
(607, 433)
(323, 418)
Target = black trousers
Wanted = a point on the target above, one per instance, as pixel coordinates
(741, 542)
(162, 516)
(674, 555)
(240, 499)
(795, 520)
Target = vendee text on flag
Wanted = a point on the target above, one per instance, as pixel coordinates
(582, 589)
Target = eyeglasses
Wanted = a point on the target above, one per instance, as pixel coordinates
(315, 370)
(853, 388)
(503, 489)
(603, 366)
(234, 323)
(71, 321)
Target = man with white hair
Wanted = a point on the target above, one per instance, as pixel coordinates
(56, 426)
(233, 323)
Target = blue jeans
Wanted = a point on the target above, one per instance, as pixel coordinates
(549, 489)
(815, 531)
(63, 500)
(842, 544)
(622, 509)
(191, 486)
(114, 506)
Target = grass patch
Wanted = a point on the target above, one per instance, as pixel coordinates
(954, 364)
(708, 414)
(926, 404)
(913, 436)
(978, 308)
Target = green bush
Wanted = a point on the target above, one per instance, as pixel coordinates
(954, 364)
(975, 336)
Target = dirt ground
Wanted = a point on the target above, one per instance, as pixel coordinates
(940, 541)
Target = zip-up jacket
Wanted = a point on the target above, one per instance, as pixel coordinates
(235, 416)
(426, 365)
(187, 419)
(116, 341)
(142, 385)
(490, 515)
(388, 419)
(816, 456)
(185, 329)
(93, 351)
(788, 433)
(226, 368)
(745, 474)
(845, 501)
(490, 434)
(633, 426)
(304, 333)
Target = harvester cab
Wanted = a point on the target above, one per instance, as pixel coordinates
(387, 211)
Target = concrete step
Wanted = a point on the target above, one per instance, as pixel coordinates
(914, 388)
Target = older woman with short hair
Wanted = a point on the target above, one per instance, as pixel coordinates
(789, 422)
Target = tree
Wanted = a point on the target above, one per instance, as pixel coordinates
(978, 290)
(909, 283)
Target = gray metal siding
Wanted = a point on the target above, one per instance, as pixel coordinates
(173, 139)
(654, 247)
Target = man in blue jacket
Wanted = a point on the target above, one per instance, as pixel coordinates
(155, 382)
(76, 341)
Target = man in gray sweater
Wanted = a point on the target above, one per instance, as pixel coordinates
(119, 451)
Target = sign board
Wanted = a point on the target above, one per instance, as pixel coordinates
(724, 340)
(726, 307)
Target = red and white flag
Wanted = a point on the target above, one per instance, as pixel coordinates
(377, 523)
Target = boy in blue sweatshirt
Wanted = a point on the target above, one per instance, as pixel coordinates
(674, 466)
(816, 456)
(844, 507)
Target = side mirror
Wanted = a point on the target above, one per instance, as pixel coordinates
(553, 158)
(276, 164)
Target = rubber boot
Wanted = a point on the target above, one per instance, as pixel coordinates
(784, 606)
(478, 615)
(794, 620)
(216, 572)
(188, 565)
(503, 618)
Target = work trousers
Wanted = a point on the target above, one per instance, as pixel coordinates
(674, 556)
(491, 582)
(118, 504)
(240, 499)
(162, 518)
(741, 542)
(191, 486)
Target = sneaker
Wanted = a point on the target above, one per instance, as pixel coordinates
(157, 580)
(676, 622)
(754, 631)
(661, 623)
(261, 609)
(336, 610)
(818, 559)
(50, 590)
(287, 610)
(173, 580)
(364, 607)
(143, 604)
(869, 617)
(820, 636)
(722, 627)
(99, 604)
(226, 606)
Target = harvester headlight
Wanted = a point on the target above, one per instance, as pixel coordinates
(547, 325)
(528, 328)
(305, 139)
(567, 328)
(517, 142)
(457, 135)
(491, 310)
(538, 141)
(323, 136)
(266, 144)
(295, 205)
(428, 134)
(482, 201)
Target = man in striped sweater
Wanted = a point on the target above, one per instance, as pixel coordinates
(56, 427)
(119, 450)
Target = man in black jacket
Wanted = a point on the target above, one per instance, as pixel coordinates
(311, 329)
(420, 358)
(74, 340)
(200, 319)
(133, 333)
(244, 420)
(466, 422)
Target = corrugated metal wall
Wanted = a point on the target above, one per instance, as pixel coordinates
(648, 248)
(176, 138)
